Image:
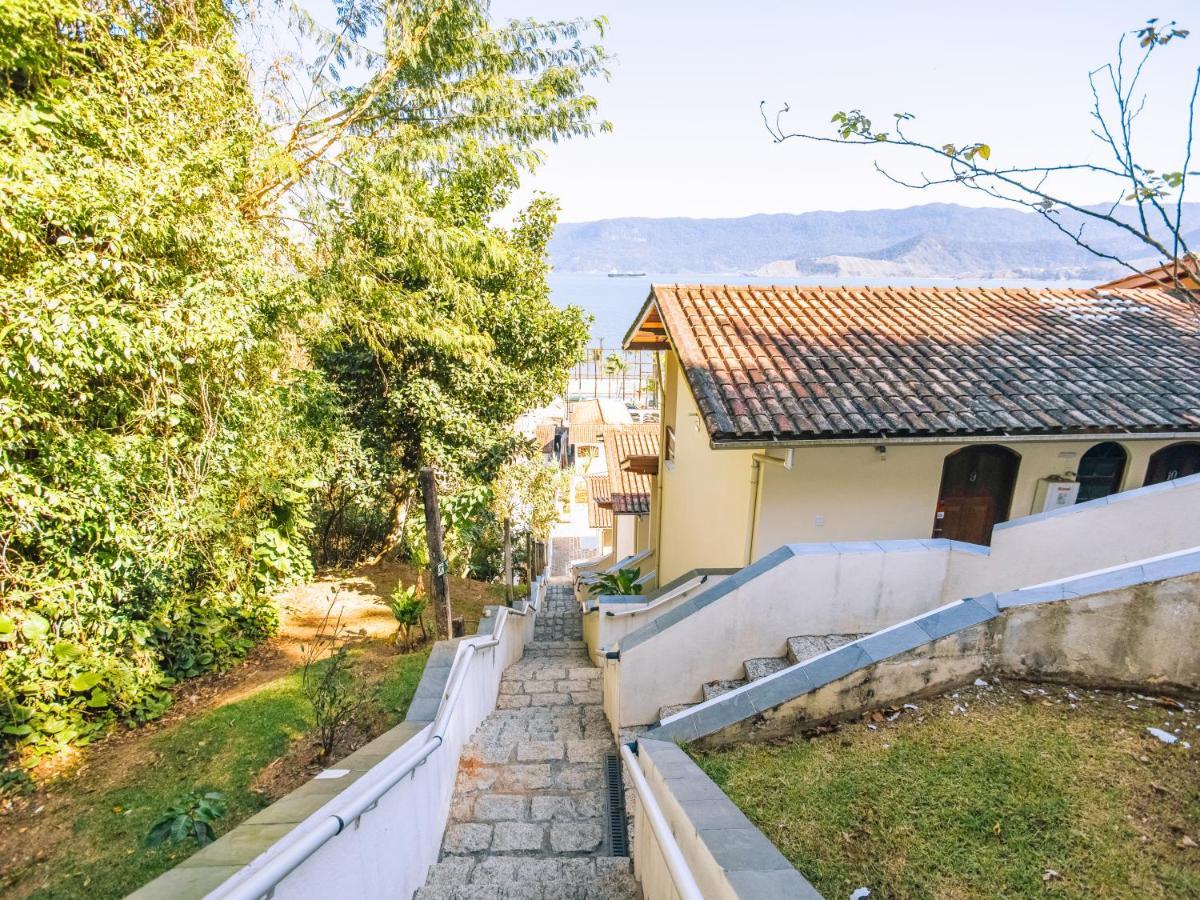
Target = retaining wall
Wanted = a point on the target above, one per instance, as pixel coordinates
(857, 587)
(1135, 626)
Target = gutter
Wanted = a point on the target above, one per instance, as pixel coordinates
(1056, 437)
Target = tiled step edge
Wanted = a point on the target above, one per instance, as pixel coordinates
(917, 637)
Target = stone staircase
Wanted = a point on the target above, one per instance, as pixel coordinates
(530, 818)
(799, 649)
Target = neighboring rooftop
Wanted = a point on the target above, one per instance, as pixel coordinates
(599, 498)
(589, 419)
(1183, 273)
(810, 363)
(632, 452)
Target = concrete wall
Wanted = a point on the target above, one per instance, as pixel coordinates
(799, 589)
(608, 619)
(1121, 528)
(729, 858)
(1134, 627)
(853, 493)
(704, 495)
(387, 851)
(625, 535)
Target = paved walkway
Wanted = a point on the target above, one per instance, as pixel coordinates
(529, 815)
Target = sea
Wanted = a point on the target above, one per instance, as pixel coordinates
(614, 302)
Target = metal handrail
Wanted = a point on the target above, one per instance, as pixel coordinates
(290, 851)
(658, 601)
(677, 865)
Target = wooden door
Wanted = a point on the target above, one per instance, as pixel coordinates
(1173, 462)
(976, 493)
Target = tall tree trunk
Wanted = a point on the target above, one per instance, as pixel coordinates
(401, 504)
(437, 559)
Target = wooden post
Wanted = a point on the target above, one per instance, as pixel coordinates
(508, 567)
(531, 573)
(437, 559)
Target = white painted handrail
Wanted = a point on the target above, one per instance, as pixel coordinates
(258, 880)
(658, 601)
(677, 865)
(620, 564)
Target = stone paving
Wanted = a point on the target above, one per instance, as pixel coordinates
(528, 819)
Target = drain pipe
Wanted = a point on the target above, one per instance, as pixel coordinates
(756, 464)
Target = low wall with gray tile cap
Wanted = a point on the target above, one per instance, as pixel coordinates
(1120, 528)
(838, 588)
(211, 866)
(1134, 626)
(729, 857)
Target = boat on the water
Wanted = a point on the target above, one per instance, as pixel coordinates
(626, 274)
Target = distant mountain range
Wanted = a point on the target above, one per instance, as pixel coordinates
(933, 241)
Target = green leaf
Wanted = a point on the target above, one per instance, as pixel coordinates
(98, 699)
(66, 650)
(985, 151)
(34, 626)
(8, 628)
(85, 681)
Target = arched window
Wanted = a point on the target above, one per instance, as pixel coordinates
(1101, 471)
(1173, 462)
(976, 492)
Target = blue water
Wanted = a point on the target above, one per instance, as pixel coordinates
(614, 302)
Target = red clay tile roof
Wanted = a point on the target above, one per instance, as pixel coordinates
(630, 491)
(598, 493)
(1186, 271)
(804, 363)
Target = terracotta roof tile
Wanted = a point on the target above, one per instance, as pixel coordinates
(629, 491)
(599, 516)
(802, 363)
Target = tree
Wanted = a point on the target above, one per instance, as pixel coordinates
(1147, 204)
(156, 442)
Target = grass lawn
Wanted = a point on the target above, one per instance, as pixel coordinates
(1010, 790)
(223, 749)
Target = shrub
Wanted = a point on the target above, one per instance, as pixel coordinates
(190, 817)
(621, 583)
(408, 608)
(328, 683)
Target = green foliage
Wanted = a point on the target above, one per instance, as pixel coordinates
(190, 817)
(153, 444)
(328, 683)
(192, 403)
(622, 583)
(407, 606)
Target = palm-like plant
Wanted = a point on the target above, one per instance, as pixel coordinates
(621, 583)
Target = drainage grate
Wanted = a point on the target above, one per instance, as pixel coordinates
(618, 834)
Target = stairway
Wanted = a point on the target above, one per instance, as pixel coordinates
(799, 648)
(530, 817)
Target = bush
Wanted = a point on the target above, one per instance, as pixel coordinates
(408, 608)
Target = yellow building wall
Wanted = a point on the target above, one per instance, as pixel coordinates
(850, 493)
(703, 496)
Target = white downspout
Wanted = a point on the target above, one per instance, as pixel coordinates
(756, 462)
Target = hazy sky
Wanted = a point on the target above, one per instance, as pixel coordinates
(689, 75)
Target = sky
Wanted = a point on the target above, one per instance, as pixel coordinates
(688, 76)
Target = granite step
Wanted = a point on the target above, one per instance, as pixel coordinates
(666, 711)
(526, 878)
(763, 666)
(717, 688)
(806, 646)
